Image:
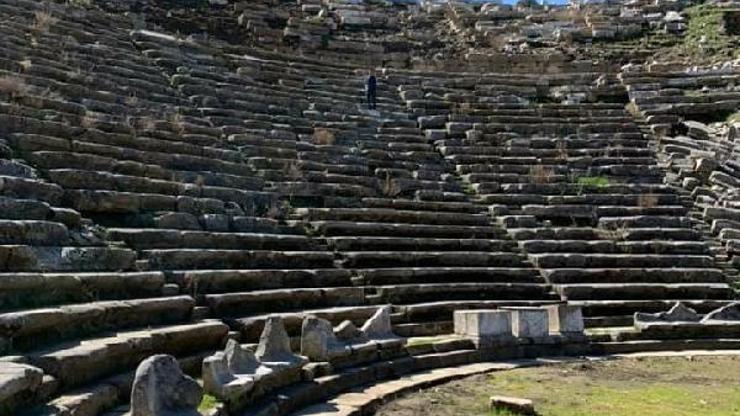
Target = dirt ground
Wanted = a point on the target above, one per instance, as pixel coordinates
(677, 386)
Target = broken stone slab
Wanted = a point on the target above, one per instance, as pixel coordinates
(527, 322)
(161, 389)
(347, 331)
(730, 312)
(18, 384)
(379, 325)
(565, 319)
(514, 405)
(318, 341)
(678, 313)
(274, 346)
(231, 374)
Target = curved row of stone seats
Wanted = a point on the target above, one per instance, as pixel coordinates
(699, 160)
(269, 378)
(379, 222)
(296, 149)
(681, 327)
(240, 378)
(665, 94)
(698, 156)
(234, 303)
(69, 116)
(206, 224)
(594, 221)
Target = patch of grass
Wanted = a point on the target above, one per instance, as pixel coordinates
(733, 118)
(705, 39)
(701, 386)
(595, 181)
(207, 403)
(43, 21)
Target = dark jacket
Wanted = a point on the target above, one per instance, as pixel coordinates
(371, 84)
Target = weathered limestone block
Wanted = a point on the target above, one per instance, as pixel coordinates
(379, 325)
(483, 323)
(231, 374)
(318, 341)
(678, 313)
(18, 383)
(274, 346)
(730, 312)
(565, 319)
(161, 389)
(529, 322)
(515, 405)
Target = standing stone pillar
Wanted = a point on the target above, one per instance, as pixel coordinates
(161, 389)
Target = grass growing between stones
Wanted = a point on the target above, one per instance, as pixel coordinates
(705, 40)
(208, 402)
(733, 118)
(702, 386)
(594, 181)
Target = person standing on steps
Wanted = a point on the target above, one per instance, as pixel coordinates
(371, 88)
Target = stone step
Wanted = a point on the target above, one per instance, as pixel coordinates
(347, 228)
(282, 300)
(415, 275)
(33, 232)
(229, 281)
(624, 347)
(142, 239)
(411, 293)
(183, 259)
(19, 385)
(24, 258)
(33, 189)
(412, 205)
(630, 306)
(613, 247)
(596, 211)
(32, 290)
(80, 362)
(371, 259)
(381, 215)
(591, 261)
(32, 328)
(679, 235)
(644, 221)
(594, 291)
(365, 390)
(423, 329)
(462, 153)
(634, 275)
(555, 233)
(416, 244)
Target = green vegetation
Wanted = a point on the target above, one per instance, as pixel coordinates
(677, 386)
(705, 40)
(207, 403)
(733, 118)
(595, 181)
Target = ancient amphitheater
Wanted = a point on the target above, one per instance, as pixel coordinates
(176, 174)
